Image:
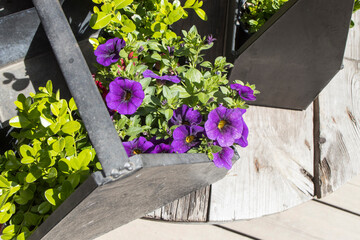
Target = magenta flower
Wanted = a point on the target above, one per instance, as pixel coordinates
(224, 125)
(163, 148)
(151, 74)
(185, 115)
(186, 137)
(223, 158)
(108, 52)
(125, 96)
(245, 92)
(242, 141)
(137, 146)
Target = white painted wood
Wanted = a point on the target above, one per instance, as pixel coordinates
(339, 106)
(352, 50)
(151, 230)
(355, 181)
(310, 221)
(274, 172)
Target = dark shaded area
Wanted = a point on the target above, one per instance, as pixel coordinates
(216, 25)
(8, 7)
(6, 141)
(296, 53)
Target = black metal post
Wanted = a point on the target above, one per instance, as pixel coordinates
(102, 133)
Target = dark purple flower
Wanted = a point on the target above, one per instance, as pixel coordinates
(171, 50)
(108, 52)
(185, 115)
(151, 74)
(137, 146)
(223, 158)
(224, 125)
(125, 96)
(245, 92)
(163, 148)
(186, 137)
(141, 48)
(242, 141)
(159, 141)
(210, 39)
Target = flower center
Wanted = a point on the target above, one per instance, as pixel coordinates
(186, 123)
(189, 139)
(127, 95)
(137, 151)
(222, 124)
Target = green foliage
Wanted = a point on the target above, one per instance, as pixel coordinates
(258, 12)
(204, 85)
(146, 17)
(52, 157)
(356, 7)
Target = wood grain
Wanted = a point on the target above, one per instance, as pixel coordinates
(273, 173)
(352, 50)
(190, 208)
(339, 113)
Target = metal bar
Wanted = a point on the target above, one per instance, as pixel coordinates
(102, 133)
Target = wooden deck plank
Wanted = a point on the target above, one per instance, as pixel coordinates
(274, 172)
(310, 221)
(347, 197)
(147, 230)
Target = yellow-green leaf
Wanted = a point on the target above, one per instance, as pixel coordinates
(201, 13)
(71, 127)
(19, 122)
(119, 4)
(129, 26)
(50, 196)
(100, 20)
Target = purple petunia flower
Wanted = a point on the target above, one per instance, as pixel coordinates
(171, 50)
(108, 52)
(243, 142)
(210, 39)
(245, 92)
(151, 74)
(163, 148)
(185, 115)
(141, 48)
(224, 125)
(137, 146)
(125, 96)
(186, 137)
(223, 158)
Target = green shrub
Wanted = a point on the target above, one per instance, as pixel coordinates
(52, 157)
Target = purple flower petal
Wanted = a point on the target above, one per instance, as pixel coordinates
(108, 52)
(125, 96)
(242, 141)
(245, 92)
(185, 115)
(151, 74)
(186, 137)
(137, 146)
(224, 125)
(163, 148)
(223, 158)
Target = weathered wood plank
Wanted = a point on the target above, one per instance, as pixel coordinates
(339, 113)
(352, 50)
(274, 172)
(310, 221)
(190, 208)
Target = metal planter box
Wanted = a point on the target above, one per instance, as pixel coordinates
(126, 189)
